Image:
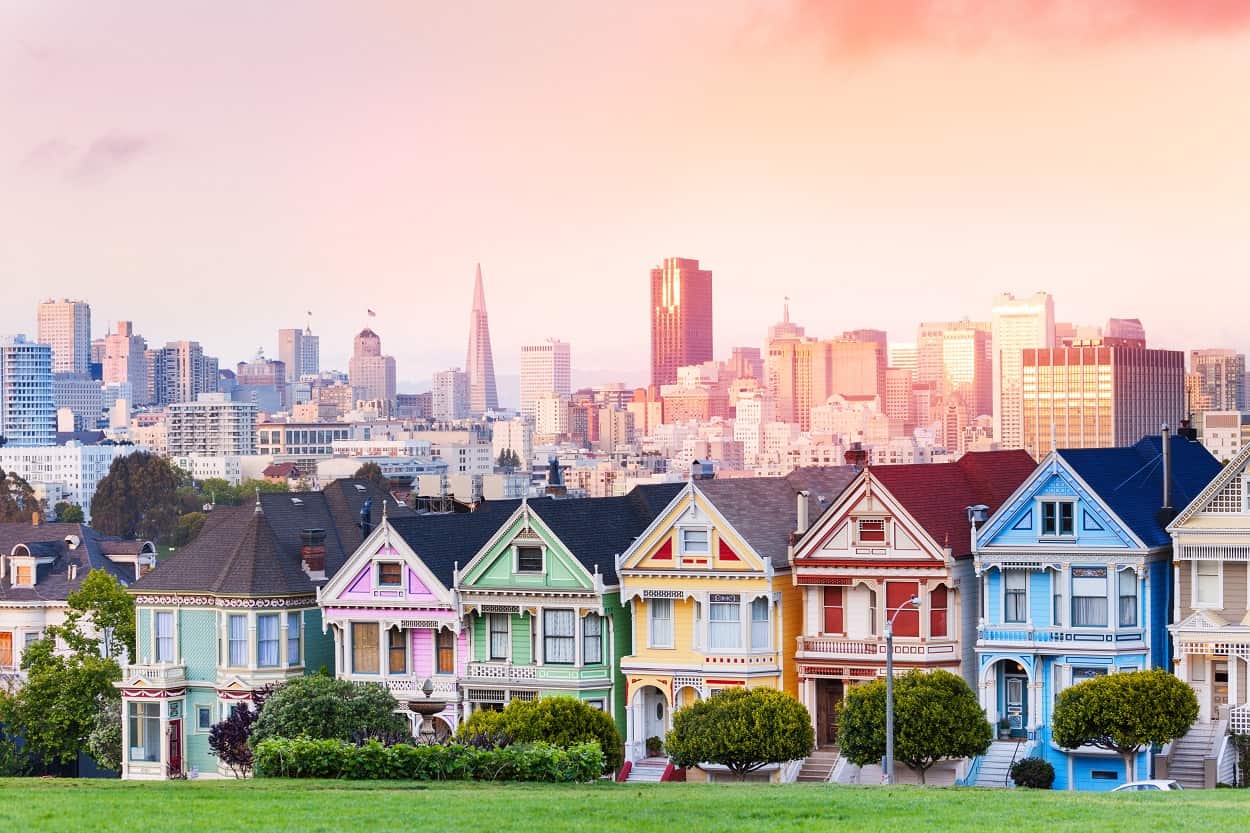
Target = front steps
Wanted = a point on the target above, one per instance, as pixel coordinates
(996, 764)
(818, 767)
(647, 770)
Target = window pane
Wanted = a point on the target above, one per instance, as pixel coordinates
(759, 625)
(238, 641)
(292, 638)
(559, 629)
(1048, 518)
(396, 655)
(499, 633)
(529, 560)
(872, 530)
(390, 574)
(833, 610)
(445, 648)
(1128, 598)
(267, 640)
(1067, 513)
(694, 540)
(661, 622)
(145, 732)
(164, 636)
(937, 611)
(592, 631)
(1014, 595)
(898, 594)
(724, 626)
(365, 647)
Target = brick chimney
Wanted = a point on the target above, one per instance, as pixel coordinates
(313, 553)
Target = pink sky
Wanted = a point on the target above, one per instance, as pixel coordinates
(212, 170)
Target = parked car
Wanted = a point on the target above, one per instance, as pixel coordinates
(1148, 786)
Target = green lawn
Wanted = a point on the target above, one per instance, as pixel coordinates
(310, 806)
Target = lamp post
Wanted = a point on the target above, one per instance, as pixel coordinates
(914, 601)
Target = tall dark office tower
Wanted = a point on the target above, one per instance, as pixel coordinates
(681, 318)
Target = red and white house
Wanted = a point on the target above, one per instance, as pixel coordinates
(896, 532)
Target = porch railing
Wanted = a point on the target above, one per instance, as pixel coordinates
(1239, 719)
(502, 671)
(1050, 634)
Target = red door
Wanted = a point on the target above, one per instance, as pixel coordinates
(175, 747)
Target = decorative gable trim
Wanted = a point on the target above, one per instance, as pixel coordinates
(359, 566)
(532, 531)
(689, 503)
(1234, 470)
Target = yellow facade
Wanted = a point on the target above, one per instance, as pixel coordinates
(730, 575)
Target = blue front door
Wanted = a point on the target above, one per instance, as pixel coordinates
(1017, 704)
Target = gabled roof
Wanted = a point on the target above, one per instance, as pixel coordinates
(938, 495)
(48, 541)
(1231, 471)
(1129, 480)
(763, 510)
(597, 530)
(444, 541)
(242, 552)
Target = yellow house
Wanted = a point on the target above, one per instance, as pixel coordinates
(712, 601)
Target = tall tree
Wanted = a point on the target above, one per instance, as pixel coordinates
(373, 473)
(936, 716)
(1124, 713)
(137, 498)
(101, 618)
(68, 513)
(17, 499)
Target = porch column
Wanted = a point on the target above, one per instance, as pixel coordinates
(1035, 699)
(1233, 698)
(989, 700)
(807, 688)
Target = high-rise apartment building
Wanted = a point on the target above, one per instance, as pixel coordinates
(545, 368)
(82, 396)
(211, 426)
(897, 402)
(808, 372)
(681, 318)
(1218, 377)
(551, 417)
(966, 368)
(126, 361)
(479, 363)
(1095, 394)
(65, 326)
(27, 409)
(180, 372)
(300, 351)
(1018, 323)
(371, 374)
(450, 391)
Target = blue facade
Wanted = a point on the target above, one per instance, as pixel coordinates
(1069, 591)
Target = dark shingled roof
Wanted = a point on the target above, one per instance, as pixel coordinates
(241, 552)
(764, 510)
(52, 581)
(595, 530)
(1130, 480)
(938, 495)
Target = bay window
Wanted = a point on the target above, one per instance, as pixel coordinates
(559, 637)
(661, 622)
(293, 622)
(724, 623)
(1206, 584)
(759, 624)
(937, 611)
(1128, 598)
(267, 640)
(1089, 597)
(898, 596)
(237, 649)
(145, 731)
(364, 647)
(592, 639)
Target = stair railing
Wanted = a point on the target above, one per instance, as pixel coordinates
(1010, 764)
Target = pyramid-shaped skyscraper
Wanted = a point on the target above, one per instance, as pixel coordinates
(479, 365)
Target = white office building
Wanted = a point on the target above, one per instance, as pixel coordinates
(67, 472)
(450, 395)
(545, 368)
(65, 326)
(1017, 325)
(211, 426)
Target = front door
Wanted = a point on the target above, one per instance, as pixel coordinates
(1219, 687)
(175, 747)
(1017, 705)
(828, 699)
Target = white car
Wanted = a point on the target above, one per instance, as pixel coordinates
(1147, 786)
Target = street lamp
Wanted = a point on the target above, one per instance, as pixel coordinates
(914, 601)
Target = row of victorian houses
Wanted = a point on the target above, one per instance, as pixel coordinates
(1029, 578)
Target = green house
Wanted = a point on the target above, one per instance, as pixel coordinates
(542, 601)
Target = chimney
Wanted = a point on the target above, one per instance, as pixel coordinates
(856, 455)
(801, 513)
(73, 572)
(36, 519)
(1166, 512)
(313, 552)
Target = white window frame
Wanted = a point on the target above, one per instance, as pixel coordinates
(1110, 616)
(767, 623)
(885, 531)
(156, 639)
(516, 559)
(592, 639)
(280, 645)
(490, 638)
(377, 577)
(736, 630)
(230, 640)
(203, 730)
(549, 615)
(297, 617)
(682, 543)
(1027, 601)
(1057, 535)
(1196, 604)
(652, 607)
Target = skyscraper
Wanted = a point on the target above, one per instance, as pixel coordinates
(65, 326)
(371, 374)
(310, 353)
(180, 372)
(126, 362)
(1095, 394)
(681, 318)
(450, 391)
(479, 364)
(804, 374)
(27, 411)
(545, 368)
(300, 351)
(1018, 323)
(1218, 381)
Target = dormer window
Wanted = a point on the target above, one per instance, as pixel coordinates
(870, 531)
(1058, 518)
(529, 559)
(23, 575)
(695, 541)
(390, 574)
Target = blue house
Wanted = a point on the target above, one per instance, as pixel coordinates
(1074, 580)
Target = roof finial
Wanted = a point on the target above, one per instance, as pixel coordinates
(258, 510)
(384, 504)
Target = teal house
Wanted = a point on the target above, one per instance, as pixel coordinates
(234, 611)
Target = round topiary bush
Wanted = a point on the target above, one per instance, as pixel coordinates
(1034, 773)
(560, 721)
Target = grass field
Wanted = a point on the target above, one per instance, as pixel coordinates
(356, 807)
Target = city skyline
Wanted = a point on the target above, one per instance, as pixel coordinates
(1073, 168)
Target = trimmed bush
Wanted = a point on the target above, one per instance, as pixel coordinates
(742, 729)
(321, 706)
(560, 721)
(1034, 773)
(329, 758)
